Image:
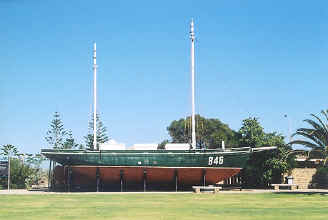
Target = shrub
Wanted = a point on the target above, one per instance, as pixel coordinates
(320, 178)
(22, 175)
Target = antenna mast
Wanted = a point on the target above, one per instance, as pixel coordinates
(94, 98)
(193, 132)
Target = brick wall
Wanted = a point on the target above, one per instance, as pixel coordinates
(303, 176)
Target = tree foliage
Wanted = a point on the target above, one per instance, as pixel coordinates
(56, 133)
(58, 137)
(101, 133)
(315, 136)
(70, 141)
(209, 132)
(262, 168)
(265, 167)
(320, 178)
(161, 146)
(252, 134)
(23, 167)
(8, 150)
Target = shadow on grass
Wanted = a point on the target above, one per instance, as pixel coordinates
(303, 192)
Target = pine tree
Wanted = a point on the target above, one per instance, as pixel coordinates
(81, 147)
(56, 133)
(8, 149)
(101, 133)
(70, 141)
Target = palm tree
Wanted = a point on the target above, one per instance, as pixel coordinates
(316, 136)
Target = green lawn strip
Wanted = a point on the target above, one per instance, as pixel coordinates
(164, 206)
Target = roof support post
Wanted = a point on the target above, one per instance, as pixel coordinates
(97, 179)
(121, 179)
(176, 179)
(145, 179)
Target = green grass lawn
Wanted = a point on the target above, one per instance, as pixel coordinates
(164, 206)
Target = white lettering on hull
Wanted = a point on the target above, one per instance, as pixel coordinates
(215, 160)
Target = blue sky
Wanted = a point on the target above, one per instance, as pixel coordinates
(253, 58)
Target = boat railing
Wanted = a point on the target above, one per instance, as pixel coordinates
(258, 149)
(239, 148)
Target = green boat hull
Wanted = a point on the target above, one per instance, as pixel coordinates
(179, 168)
(150, 158)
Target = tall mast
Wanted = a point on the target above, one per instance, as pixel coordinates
(94, 98)
(193, 131)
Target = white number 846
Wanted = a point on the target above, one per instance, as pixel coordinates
(217, 160)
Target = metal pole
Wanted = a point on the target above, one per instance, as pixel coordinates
(121, 179)
(97, 179)
(8, 172)
(176, 180)
(204, 177)
(66, 177)
(193, 132)
(144, 179)
(53, 181)
(49, 176)
(94, 98)
(289, 128)
(69, 178)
